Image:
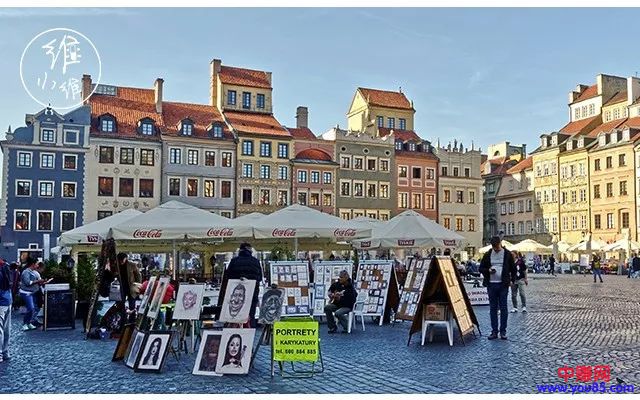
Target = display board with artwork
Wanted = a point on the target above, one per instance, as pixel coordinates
(189, 301)
(153, 351)
(457, 296)
(377, 279)
(293, 278)
(236, 304)
(234, 356)
(59, 309)
(324, 274)
(414, 283)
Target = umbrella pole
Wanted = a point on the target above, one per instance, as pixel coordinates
(295, 249)
(175, 259)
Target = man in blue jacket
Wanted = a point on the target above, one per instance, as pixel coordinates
(499, 271)
(5, 309)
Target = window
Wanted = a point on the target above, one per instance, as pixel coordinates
(583, 195)
(146, 128)
(327, 178)
(512, 208)
(380, 121)
(217, 131)
(596, 165)
(609, 162)
(358, 163)
(21, 220)
(302, 176)
(447, 196)
(246, 100)
(554, 194)
(345, 162)
(69, 190)
(283, 172)
(416, 201)
(372, 189)
(47, 160)
(458, 224)
(265, 149)
(283, 198)
(412, 147)
(609, 189)
(503, 209)
(399, 145)
(430, 202)
(174, 186)
(592, 109)
(104, 214)
(403, 200)
(358, 189)
(384, 190)
(520, 206)
(402, 171)
(107, 125)
(416, 173)
(574, 222)
(69, 161)
(187, 129)
(574, 196)
(231, 97)
(247, 147)
(472, 197)
(391, 122)
(147, 157)
(48, 136)
(302, 198)
(247, 170)
(327, 200)
(105, 186)
(610, 221)
(283, 150)
(126, 187)
(227, 158)
(67, 220)
(225, 189)
(621, 160)
(265, 172)
(45, 189)
(403, 123)
(596, 191)
(431, 173)
(209, 188)
(491, 188)
(472, 225)
(146, 188)
(23, 188)
(467, 172)
(625, 220)
(45, 220)
(384, 165)
(371, 164)
(530, 205)
(576, 113)
(623, 188)
(597, 223)
(192, 187)
(265, 197)
(314, 199)
(192, 156)
(126, 155)
(459, 196)
(616, 113)
(345, 188)
(175, 156)
(226, 214)
(315, 176)
(210, 158)
(260, 101)
(446, 222)
(24, 159)
(71, 137)
(345, 215)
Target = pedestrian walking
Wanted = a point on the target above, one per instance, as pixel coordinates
(14, 274)
(499, 271)
(596, 267)
(30, 282)
(552, 265)
(244, 265)
(6, 300)
(519, 284)
(635, 265)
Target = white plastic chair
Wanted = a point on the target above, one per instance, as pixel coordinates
(448, 323)
(358, 311)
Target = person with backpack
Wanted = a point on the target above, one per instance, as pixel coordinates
(6, 300)
(596, 268)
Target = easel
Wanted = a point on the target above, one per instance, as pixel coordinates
(107, 256)
(266, 337)
(183, 327)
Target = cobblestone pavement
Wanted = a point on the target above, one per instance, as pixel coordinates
(571, 321)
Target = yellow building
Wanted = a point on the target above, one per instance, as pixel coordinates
(545, 178)
(372, 108)
(574, 189)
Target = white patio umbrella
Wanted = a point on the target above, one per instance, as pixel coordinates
(586, 247)
(623, 244)
(529, 246)
(248, 219)
(369, 222)
(95, 232)
(562, 246)
(410, 230)
(505, 243)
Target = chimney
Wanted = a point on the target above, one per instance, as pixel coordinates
(524, 150)
(633, 89)
(302, 117)
(87, 87)
(157, 86)
(215, 68)
(269, 78)
(576, 93)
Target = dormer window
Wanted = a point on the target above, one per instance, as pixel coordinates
(398, 145)
(543, 141)
(602, 140)
(569, 144)
(581, 142)
(626, 135)
(107, 124)
(146, 127)
(216, 131)
(187, 127)
(412, 147)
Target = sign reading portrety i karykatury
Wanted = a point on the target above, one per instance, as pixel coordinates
(296, 340)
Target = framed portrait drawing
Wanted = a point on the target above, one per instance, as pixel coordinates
(235, 351)
(271, 306)
(158, 295)
(148, 294)
(188, 302)
(134, 348)
(123, 343)
(207, 358)
(153, 351)
(237, 301)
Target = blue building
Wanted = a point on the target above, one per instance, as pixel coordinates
(43, 178)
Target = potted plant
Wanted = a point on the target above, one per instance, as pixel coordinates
(85, 286)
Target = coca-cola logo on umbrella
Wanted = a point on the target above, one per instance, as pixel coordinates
(406, 242)
(221, 232)
(344, 232)
(147, 233)
(289, 232)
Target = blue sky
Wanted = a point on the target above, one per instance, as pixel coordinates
(485, 75)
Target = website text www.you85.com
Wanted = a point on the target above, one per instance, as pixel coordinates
(594, 379)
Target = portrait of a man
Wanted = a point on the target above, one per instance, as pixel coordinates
(237, 301)
(271, 306)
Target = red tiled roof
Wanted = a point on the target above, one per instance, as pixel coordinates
(313, 154)
(400, 154)
(588, 93)
(202, 116)
(606, 127)
(386, 98)
(261, 124)
(244, 77)
(403, 135)
(617, 98)
(302, 133)
(632, 123)
(499, 166)
(581, 126)
(527, 163)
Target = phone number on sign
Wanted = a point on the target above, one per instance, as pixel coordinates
(585, 388)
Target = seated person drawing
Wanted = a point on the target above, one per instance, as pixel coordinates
(233, 354)
(342, 297)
